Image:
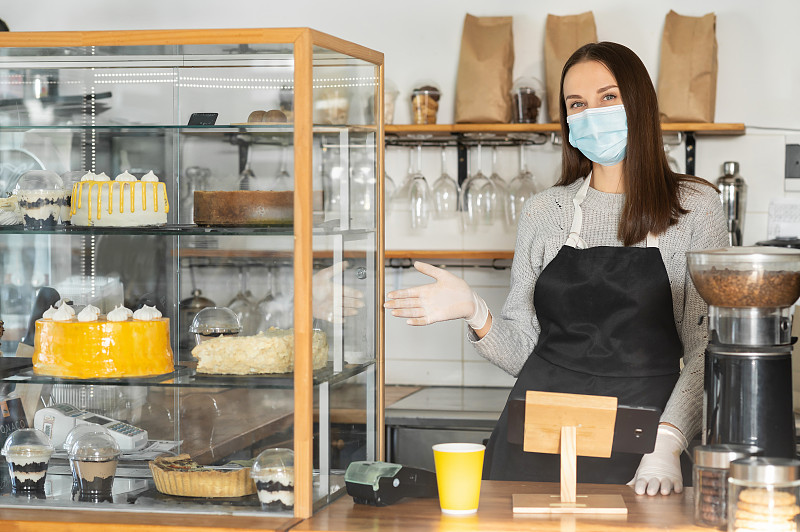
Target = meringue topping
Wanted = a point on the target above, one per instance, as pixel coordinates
(48, 314)
(89, 313)
(125, 176)
(150, 177)
(101, 177)
(88, 176)
(147, 313)
(62, 314)
(119, 313)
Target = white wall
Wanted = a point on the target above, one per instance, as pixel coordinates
(758, 84)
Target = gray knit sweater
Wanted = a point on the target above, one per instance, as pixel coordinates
(543, 229)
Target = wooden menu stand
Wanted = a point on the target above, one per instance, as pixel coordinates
(569, 425)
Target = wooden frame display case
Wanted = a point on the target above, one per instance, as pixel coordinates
(179, 103)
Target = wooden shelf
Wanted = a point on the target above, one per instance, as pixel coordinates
(452, 129)
(450, 254)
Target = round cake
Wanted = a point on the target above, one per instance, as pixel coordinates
(124, 202)
(90, 345)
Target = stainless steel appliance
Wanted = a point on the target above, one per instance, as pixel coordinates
(733, 193)
(748, 371)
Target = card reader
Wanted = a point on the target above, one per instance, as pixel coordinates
(384, 483)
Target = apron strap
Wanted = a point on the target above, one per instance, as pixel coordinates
(574, 239)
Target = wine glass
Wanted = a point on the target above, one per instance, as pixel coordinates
(671, 161)
(244, 307)
(521, 188)
(419, 196)
(389, 188)
(247, 175)
(499, 199)
(283, 180)
(476, 196)
(399, 199)
(269, 312)
(445, 192)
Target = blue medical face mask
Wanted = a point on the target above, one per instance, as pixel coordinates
(601, 133)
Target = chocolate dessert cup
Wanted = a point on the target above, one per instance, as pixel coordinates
(27, 452)
(93, 458)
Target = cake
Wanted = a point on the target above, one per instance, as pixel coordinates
(248, 207)
(179, 475)
(90, 345)
(267, 352)
(124, 202)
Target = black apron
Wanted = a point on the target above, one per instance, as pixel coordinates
(607, 328)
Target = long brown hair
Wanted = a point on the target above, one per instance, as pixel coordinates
(652, 189)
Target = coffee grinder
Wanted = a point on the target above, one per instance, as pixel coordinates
(747, 396)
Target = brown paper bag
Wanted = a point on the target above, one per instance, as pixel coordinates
(485, 68)
(687, 76)
(562, 36)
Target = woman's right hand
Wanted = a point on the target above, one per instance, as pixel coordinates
(448, 298)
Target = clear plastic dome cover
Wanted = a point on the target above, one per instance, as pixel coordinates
(27, 442)
(94, 447)
(214, 321)
(276, 464)
(79, 431)
(40, 180)
(74, 176)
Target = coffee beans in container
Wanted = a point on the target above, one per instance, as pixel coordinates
(746, 277)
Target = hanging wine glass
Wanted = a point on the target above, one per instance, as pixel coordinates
(389, 188)
(399, 200)
(521, 188)
(671, 161)
(499, 199)
(476, 196)
(269, 308)
(419, 196)
(446, 192)
(283, 180)
(247, 176)
(244, 307)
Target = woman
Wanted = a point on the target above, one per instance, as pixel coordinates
(601, 302)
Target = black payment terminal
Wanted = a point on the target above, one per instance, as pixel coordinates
(384, 483)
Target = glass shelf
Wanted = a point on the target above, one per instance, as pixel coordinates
(179, 230)
(220, 128)
(186, 376)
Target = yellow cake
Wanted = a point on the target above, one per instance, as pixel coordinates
(124, 202)
(101, 348)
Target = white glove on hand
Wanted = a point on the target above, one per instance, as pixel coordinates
(449, 298)
(322, 288)
(660, 471)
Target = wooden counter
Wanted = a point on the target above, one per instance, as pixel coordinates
(674, 512)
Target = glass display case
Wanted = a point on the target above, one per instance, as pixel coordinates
(253, 161)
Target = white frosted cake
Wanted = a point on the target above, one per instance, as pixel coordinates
(268, 352)
(124, 202)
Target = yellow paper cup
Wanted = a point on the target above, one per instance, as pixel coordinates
(459, 467)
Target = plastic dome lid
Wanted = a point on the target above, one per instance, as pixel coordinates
(27, 442)
(40, 180)
(74, 176)
(213, 321)
(94, 447)
(276, 464)
(79, 431)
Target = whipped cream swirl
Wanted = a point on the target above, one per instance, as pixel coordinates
(88, 176)
(48, 314)
(119, 313)
(102, 177)
(89, 313)
(61, 303)
(62, 314)
(147, 313)
(150, 177)
(125, 176)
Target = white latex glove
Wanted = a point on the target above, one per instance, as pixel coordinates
(660, 471)
(449, 298)
(322, 288)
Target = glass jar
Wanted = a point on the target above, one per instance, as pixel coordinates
(425, 104)
(710, 475)
(763, 494)
(526, 100)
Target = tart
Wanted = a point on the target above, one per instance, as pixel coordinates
(180, 475)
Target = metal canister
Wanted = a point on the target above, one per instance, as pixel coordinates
(733, 193)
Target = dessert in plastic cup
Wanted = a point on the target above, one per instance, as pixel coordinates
(93, 458)
(459, 467)
(27, 452)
